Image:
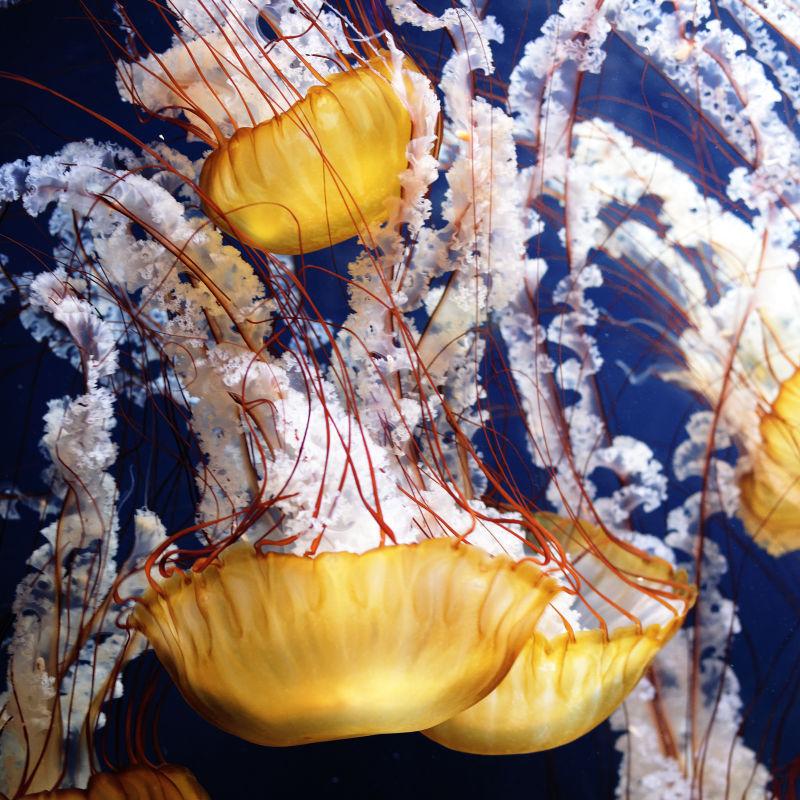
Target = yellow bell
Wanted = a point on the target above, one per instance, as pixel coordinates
(168, 782)
(282, 650)
(770, 492)
(321, 172)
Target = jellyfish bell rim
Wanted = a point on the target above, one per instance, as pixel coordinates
(519, 734)
(343, 644)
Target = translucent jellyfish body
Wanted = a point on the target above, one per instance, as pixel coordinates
(321, 172)
(282, 650)
(566, 680)
(770, 492)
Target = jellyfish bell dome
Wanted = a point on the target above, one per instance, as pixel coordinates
(281, 649)
(571, 676)
(321, 172)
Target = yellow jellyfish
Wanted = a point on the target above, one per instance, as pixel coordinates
(168, 782)
(565, 682)
(770, 492)
(319, 173)
(282, 649)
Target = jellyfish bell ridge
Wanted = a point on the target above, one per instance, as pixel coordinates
(282, 649)
(321, 172)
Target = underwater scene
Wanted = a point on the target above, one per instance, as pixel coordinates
(401, 399)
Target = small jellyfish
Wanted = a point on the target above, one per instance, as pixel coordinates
(770, 491)
(281, 649)
(168, 782)
(321, 172)
(567, 681)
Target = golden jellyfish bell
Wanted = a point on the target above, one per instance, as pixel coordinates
(168, 782)
(770, 492)
(564, 683)
(321, 172)
(282, 650)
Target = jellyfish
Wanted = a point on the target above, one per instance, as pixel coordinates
(167, 782)
(316, 154)
(308, 637)
(339, 700)
(567, 681)
(318, 173)
(354, 320)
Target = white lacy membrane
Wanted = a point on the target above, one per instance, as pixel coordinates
(338, 481)
(571, 443)
(753, 317)
(751, 314)
(218, 62)
(480, 245)
(78, 443)
(726, 764)
(734, 90)
(754, 314)
(648, 773)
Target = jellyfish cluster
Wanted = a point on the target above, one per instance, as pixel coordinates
(431, 371)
